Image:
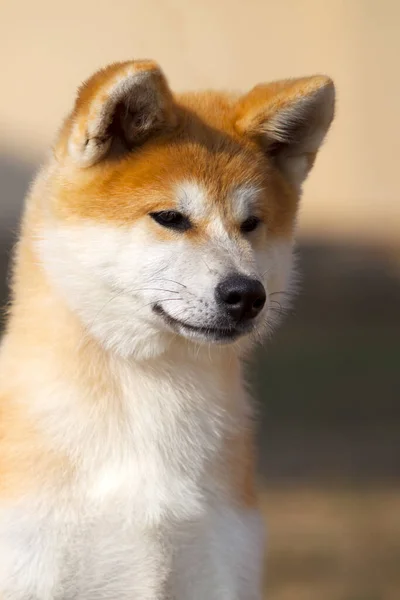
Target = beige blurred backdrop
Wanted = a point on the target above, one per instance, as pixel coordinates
(328, 384)
(48, 48)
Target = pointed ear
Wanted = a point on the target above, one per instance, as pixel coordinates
(116, 109)
(290, 120)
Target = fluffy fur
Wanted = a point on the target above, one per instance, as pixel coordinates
(126, 443)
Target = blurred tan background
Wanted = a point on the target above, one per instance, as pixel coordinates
(329, 383)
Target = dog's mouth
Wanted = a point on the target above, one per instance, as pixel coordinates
(216, 334)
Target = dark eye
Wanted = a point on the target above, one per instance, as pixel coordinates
(171, 219)
(250, 224)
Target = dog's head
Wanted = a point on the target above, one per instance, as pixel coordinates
(174, 215)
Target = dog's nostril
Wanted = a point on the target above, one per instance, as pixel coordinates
(233, 298)
(259, 303)
(242, 297)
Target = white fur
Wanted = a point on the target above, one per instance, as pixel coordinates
(192, 199)
(244, 200)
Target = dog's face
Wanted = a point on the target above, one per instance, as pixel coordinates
(175, 216)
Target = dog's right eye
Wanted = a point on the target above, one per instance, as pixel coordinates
(171, 219)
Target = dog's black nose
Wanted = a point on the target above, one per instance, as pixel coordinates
(242, 297)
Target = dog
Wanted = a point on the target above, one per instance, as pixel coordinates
(156, 248)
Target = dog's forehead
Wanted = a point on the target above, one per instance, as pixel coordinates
(200, 201)
(201, 178)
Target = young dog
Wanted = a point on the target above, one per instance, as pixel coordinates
(156, 245)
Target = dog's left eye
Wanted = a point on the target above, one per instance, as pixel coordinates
(250, 224)
(171, 219)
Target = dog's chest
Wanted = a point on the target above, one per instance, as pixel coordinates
(113, 555)
(135, 513)
(139, 503)
(103, 542)
(213, 555)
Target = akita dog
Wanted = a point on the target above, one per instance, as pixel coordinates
(156, 248)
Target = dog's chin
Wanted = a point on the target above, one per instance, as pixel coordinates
(217, 334)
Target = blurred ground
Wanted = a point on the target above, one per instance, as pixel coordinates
(340, 543)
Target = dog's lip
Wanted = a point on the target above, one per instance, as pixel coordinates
(220, 332)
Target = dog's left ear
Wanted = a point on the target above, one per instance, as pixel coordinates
(289, 119)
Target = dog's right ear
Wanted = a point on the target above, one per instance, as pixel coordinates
(117, 108)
